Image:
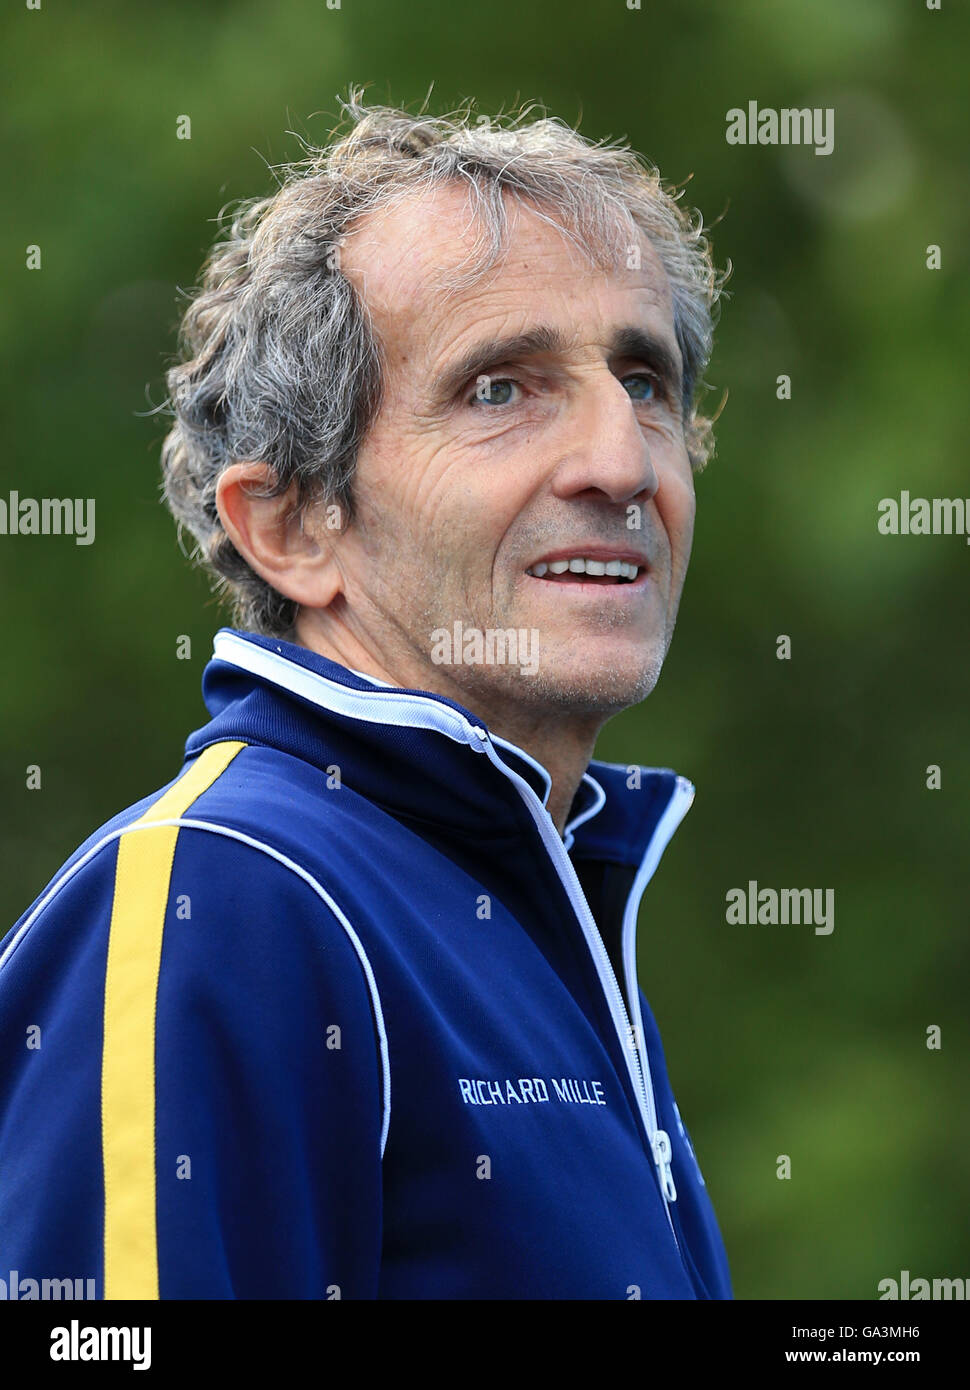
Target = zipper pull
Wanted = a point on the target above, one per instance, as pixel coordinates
(662, 1155)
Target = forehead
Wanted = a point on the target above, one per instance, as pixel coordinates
(397, 260)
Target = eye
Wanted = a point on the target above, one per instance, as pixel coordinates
(644, 386)
(494, 390)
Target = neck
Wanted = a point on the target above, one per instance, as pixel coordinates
(564, 751)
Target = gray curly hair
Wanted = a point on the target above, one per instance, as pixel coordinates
(278, 359)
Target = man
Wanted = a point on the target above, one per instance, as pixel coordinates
(350, 1008)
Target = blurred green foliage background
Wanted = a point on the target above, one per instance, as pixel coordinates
(810, 771)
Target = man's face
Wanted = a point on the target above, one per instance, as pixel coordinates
(572, 448)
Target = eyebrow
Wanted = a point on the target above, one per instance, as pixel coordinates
(630, 341)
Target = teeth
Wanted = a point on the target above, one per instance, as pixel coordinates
(616, 569)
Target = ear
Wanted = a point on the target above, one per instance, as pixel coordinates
(294, 556)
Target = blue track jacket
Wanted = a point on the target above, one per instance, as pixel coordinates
(338, 1014)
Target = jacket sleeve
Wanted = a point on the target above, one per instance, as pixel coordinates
(192, 1095)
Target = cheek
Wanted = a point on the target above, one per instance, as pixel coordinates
(396, 497)
(463, 514)
(437, 506)
(677, 506)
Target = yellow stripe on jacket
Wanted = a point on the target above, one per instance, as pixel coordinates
(142, 876)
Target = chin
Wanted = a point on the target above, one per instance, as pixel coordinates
(596, 686)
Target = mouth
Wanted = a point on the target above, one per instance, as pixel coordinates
(589, 570)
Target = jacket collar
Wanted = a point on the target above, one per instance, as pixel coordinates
(417, 753)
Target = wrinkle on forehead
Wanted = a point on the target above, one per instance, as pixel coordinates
(398, 262)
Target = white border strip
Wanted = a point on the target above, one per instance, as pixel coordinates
(594, 808)
(527, 758)
(676, 809)
(189, 823)
(372, 706)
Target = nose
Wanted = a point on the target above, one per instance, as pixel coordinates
(608, 453)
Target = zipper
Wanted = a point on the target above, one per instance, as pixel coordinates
(637, 1063)
(676, 808)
